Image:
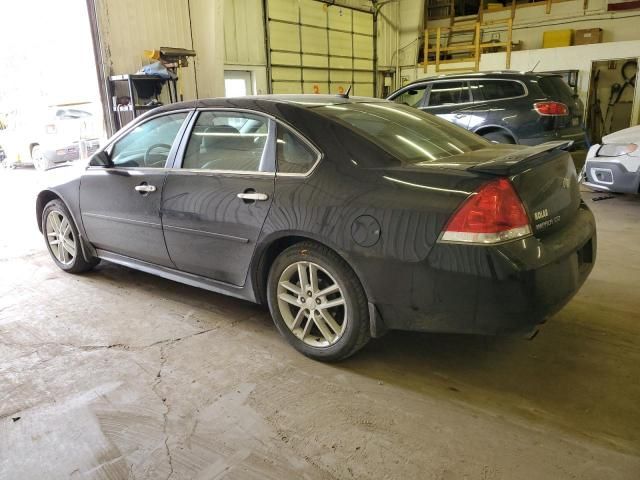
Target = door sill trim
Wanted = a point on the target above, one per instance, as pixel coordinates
(178, 276)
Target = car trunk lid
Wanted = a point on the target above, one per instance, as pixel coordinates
(545, 179)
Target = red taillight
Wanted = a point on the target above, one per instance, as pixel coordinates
(551, 108)
(494, 213)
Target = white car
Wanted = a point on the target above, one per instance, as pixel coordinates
(614, 166)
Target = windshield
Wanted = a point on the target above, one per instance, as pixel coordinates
(410, 135)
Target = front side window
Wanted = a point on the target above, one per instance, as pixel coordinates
(293, 155)
(412, 97)
(227, 141)
(496, 89)
(148, 145)
(448, 93)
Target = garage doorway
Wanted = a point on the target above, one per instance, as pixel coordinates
(610, 101)
(237, 83)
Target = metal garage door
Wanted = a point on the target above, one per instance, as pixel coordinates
(320, 48)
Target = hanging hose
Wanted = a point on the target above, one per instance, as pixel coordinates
(617, 90)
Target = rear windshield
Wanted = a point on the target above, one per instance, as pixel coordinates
(555, 87)
(408, 134)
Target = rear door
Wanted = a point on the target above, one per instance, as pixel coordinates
(120, 204)
(218, 196)
(449, 100)
(494, 102)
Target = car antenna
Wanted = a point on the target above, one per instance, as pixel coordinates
(345, 94)
(534, 67)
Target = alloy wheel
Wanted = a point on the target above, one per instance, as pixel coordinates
(312, 304)
(60, 237)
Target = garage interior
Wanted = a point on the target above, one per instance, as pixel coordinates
(120, 374)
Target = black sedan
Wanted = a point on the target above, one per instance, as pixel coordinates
(348, 217)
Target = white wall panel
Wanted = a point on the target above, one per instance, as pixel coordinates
(208, 41)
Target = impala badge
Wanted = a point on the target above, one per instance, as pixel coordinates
(566, 182)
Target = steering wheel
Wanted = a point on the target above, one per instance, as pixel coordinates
(147, 154)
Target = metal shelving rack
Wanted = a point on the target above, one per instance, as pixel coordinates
(130, 86)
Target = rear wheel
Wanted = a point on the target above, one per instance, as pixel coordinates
(317, 302)
(63, 240)
(499, 137)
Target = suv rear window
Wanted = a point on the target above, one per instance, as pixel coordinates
(408, 134)
(496, 89)
(555, 87)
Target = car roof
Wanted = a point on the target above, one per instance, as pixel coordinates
(258, 102)
(494, 74)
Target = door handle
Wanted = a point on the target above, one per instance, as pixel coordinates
(460, 115)
(144, 188)
(253, 196)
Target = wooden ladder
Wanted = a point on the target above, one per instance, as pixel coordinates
(463, 27)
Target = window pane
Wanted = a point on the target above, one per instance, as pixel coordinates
(294, 156)
(446, 93)
(227, 141)
(496, 89)
(148, 144)
(410, 135)
(412, 97)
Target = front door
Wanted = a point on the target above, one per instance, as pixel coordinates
(217, 199)
(450, 100)
(120, 204)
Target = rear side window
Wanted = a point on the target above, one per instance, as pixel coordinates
(496, 89)
(555, 87)
(448, 93)
(294, 156)
(227, 141)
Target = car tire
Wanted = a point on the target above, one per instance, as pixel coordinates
(63, 240)
(499, 137)
(40, 162)
(327, 333)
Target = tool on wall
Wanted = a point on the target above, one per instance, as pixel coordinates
(628, 71)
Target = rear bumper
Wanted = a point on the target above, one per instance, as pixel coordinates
(509, 288)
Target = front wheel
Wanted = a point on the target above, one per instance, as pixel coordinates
(62, 239)
(40, 161)
(317, 302)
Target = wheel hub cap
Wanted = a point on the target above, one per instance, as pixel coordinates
(312, 304)
(60, 237)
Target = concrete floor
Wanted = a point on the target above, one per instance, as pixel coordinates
(118, 374)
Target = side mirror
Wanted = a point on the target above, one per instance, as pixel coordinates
(100, 159)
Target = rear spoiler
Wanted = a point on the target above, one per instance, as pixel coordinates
(521, 160)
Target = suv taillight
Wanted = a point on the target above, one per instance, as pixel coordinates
(492, 214)
(551, 108)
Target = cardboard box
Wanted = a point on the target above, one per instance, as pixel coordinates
(557, 38)
(588, 36)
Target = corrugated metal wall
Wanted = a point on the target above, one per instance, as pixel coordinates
(127, 28)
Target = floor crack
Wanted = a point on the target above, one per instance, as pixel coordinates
(165, 414)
